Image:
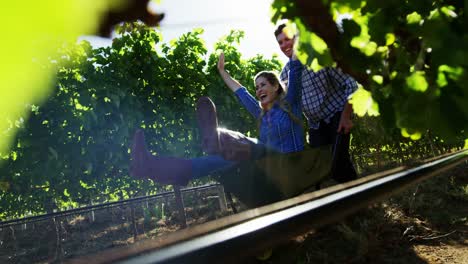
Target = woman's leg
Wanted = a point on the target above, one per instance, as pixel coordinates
(238, 147)
(203, 166)
(170, 170)
(165, 170)
(232, 145)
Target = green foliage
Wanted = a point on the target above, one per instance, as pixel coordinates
(74, 148)
(411, 56)
(376, 147)
(35, 30)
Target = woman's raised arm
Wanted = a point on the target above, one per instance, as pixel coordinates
(246, 99)
(228, 80)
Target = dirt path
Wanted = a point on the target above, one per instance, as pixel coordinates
(456, 254)
(427, 224)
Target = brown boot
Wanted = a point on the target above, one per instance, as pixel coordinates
(208, 124)
(164, 170)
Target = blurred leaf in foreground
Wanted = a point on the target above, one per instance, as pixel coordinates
(32, 32)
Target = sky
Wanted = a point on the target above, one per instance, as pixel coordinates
(217, 18)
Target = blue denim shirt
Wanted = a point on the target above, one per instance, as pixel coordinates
(277, 129)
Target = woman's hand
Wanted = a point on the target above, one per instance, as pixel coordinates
(221, 62)
(228, 80)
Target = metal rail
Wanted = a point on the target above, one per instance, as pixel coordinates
(231, 238)
(85, 209)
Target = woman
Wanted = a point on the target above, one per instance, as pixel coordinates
(278, 113)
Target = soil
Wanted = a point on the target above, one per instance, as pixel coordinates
(427, 224)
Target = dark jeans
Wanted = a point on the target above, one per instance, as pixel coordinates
(342, 167)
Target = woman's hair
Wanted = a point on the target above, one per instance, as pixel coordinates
(273, 79)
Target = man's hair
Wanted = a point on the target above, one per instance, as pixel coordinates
(279, 29)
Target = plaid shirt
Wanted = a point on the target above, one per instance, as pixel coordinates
(277, 129)
(324, 92)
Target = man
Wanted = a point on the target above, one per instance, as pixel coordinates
(325, 104)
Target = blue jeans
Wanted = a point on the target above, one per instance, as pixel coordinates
(203, 166)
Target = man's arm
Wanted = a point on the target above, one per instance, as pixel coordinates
(346, 124)
(343, 80)
(347, 83)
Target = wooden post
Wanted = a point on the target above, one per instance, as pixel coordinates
(134, 224)
(378, 157)
(180, 206)
(431, 143)
(196, 198)
(13, 237)
(231, 202)
(222, 198)
(58, 256)
(92, 214)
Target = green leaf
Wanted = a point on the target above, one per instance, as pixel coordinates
(417, 81)
(413, 18)
(415, 135)
(312, 47)
(363, 103)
